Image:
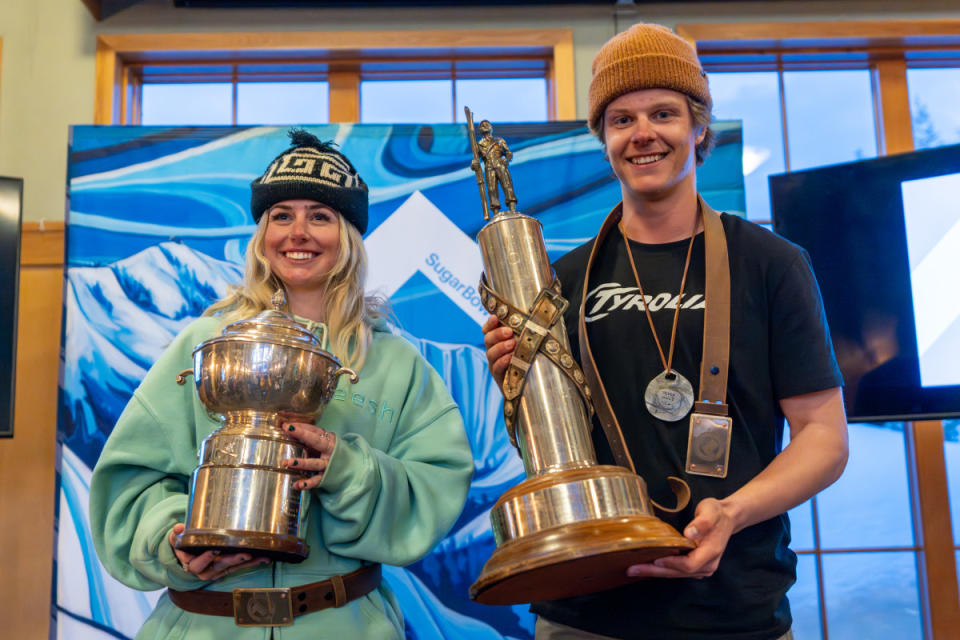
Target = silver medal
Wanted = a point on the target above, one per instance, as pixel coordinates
(669, 399)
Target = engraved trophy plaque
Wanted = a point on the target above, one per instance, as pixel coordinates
(252, 375)
(573, 526)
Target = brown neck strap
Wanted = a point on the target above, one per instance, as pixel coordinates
(716, 331)
(715, 361)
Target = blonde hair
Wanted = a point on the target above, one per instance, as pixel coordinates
(348, 313)
(702, 116)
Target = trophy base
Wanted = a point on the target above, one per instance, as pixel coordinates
(277, 547)
(575, 560)
(570, 533)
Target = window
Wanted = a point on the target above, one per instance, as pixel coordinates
(934, 94)
(875, 554)
(786, 124)
(511, 75)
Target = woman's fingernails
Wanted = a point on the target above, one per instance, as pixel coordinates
(290, 427)
(295, 463)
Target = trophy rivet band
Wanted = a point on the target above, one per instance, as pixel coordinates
(532, 330)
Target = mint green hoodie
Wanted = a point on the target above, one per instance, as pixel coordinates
(395, 484)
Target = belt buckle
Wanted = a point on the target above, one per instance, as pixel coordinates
(263, 607)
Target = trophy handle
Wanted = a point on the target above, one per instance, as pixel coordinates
(354, 378)
(182, 376)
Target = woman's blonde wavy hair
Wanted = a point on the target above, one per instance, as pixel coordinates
(348, 313)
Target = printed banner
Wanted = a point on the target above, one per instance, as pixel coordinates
(157, 225)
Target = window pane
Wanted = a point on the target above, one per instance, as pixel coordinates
(754, 99)
(872, 595)
(804, 598)
(283, 103)
(414, 101)
(869, 506)
(829, 117)
(934, 96)
(503, 99)
(194, 103)
(801, 527)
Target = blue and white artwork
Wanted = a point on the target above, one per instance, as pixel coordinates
(157, 225)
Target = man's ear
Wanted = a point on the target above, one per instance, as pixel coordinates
(701, 135)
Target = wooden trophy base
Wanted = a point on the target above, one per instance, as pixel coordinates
(281, 548)
(585, 549)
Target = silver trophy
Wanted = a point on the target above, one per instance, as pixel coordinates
(573, 526)
(258, 372)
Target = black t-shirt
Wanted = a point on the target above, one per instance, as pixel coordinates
(779, 347)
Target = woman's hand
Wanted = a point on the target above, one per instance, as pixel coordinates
(500, 344)
(319, 442)
(211, 565)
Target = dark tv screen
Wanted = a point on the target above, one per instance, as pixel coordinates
(884, 239)
(11, 193)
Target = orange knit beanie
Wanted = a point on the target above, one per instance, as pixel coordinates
(645, 56)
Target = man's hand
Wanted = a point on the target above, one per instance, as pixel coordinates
(500, 344)
(211, 565)
(811, 462)
(711, 529)
(320, 443)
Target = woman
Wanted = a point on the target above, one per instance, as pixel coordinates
(390, 460)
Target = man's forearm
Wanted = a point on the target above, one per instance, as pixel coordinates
(814, 459)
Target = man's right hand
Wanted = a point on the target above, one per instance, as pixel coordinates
(500, 344)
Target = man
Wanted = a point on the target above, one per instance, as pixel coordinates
(649, 103)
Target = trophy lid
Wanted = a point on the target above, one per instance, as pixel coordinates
(273, 325)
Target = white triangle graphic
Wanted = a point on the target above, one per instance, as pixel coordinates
(419, 237)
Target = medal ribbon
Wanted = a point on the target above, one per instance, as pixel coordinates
(668, 360)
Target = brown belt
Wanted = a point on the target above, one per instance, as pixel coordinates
(271, 607)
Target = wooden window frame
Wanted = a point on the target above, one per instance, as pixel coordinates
(887, 44)
(117, 90)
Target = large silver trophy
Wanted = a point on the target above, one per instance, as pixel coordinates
(573, 526)
(258, 372)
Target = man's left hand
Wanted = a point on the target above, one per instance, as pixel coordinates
(711, 529)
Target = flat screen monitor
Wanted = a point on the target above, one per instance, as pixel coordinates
(11, 197)
(884, 240)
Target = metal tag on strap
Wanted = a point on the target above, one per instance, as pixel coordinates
(708, 444)
(262, 607)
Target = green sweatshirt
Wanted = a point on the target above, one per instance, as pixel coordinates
(395, 484)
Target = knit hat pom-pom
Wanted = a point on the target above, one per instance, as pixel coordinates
(303, 138)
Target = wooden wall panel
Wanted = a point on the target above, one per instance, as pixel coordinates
(27, 461)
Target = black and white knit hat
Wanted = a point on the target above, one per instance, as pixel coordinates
(312, 170)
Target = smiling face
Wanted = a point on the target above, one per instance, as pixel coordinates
(650, 139)
(301, 243)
